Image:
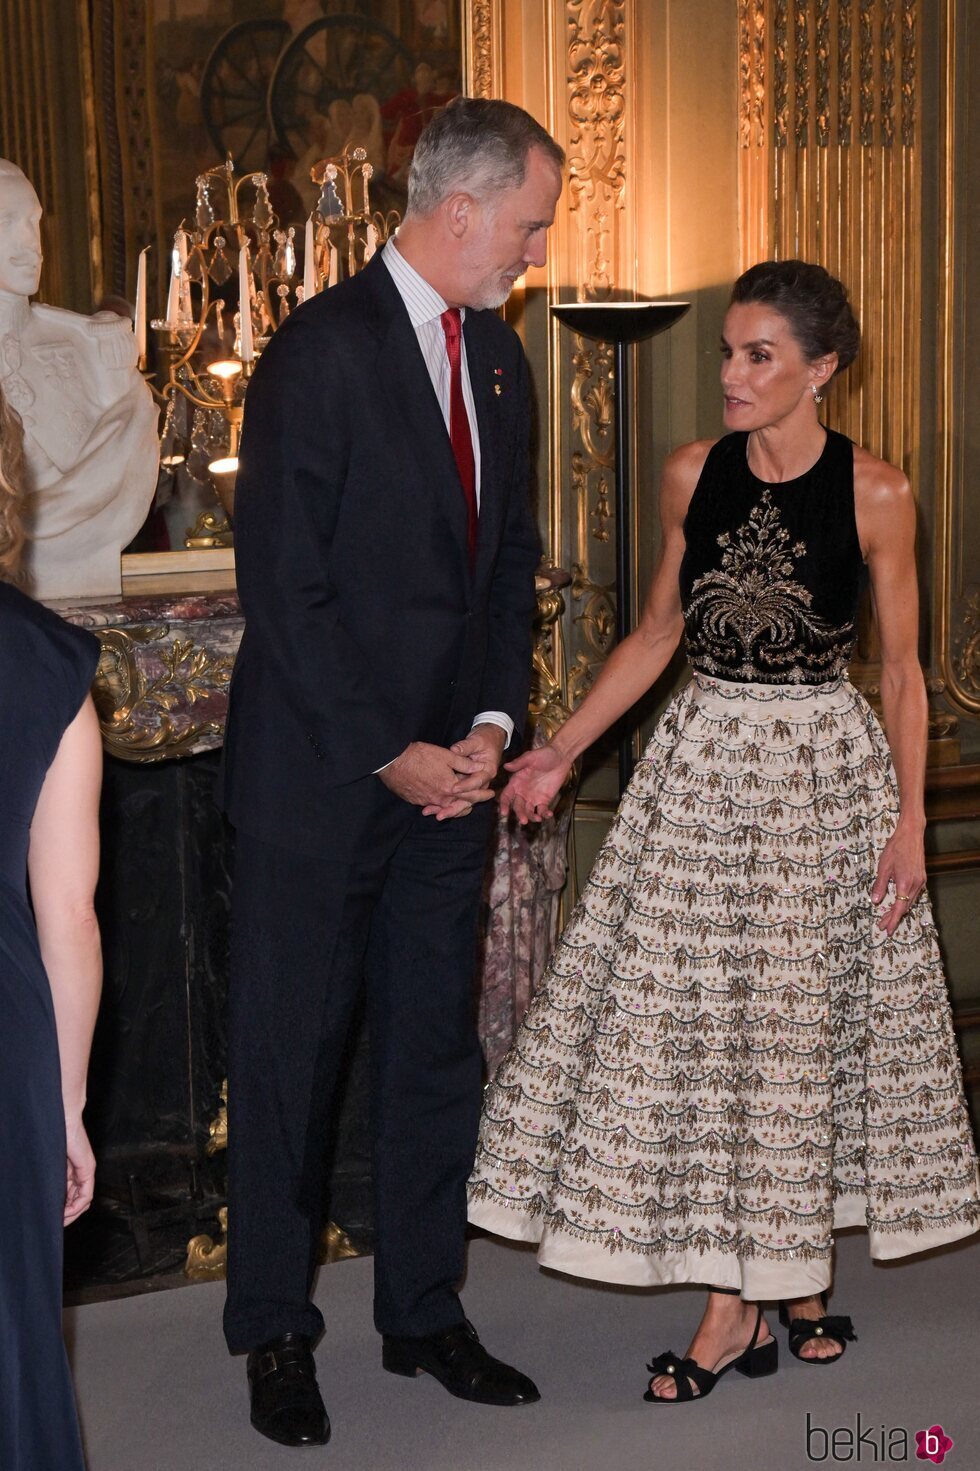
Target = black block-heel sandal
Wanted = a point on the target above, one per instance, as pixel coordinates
(755, 1362)
(801, 1330)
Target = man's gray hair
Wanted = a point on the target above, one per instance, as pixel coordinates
(478, 145)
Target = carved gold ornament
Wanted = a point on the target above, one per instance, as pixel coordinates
(136, 709)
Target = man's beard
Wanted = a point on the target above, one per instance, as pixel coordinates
(492, 294)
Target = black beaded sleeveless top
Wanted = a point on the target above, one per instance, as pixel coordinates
(772, 573)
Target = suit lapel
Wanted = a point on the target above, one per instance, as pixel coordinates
(488, 422)
(404, 380)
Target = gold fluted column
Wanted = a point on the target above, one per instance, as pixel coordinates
(831, 169)
(957, 625)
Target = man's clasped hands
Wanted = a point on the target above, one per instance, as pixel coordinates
(448, 782)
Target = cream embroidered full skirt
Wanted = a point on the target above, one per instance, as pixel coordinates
(726, 1058)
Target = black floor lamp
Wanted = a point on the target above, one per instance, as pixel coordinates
(621, 323)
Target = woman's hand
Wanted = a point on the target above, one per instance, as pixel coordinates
(81, 1171)
(538, 777)
(902, 863)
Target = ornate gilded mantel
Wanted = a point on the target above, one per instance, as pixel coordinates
(162, 682)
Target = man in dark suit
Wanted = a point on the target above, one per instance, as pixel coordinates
(385, 550)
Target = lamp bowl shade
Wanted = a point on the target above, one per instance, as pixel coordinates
(620, 321)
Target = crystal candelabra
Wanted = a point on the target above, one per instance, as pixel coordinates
(341, 235)
(344, 230)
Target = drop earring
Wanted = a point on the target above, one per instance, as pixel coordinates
(817, 397)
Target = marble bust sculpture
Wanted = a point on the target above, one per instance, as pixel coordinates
(90, 423)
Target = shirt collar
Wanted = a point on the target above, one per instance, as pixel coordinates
(422, 301)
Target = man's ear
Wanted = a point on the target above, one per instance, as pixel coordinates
(458, 208)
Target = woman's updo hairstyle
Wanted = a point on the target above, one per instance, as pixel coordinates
(813, 302)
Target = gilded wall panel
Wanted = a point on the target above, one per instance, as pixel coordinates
(597, 142)
(834, 175)
(841, 184)
(957, 651)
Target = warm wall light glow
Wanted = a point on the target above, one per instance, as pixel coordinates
(225, 368)
(226, 466)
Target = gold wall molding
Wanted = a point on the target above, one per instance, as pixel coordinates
(597, 142)
(752, 59)
(966, 654)
(592, 466)
(814, 184)
(596, 59)
(957, 651)
(482, 47)
(830, 170)
(547, 708)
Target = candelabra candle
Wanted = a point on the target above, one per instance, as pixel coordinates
(309, 261)
(247, 347)
(185, 314)
(370, 243)
(173, 291)
(334, 275)
(139, 326)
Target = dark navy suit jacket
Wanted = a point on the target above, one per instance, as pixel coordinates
(365, 629)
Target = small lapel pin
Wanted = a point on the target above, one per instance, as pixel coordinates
(496, 387)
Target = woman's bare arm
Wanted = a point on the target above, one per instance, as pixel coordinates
(886, 526)
(632, 667)
(63, 863)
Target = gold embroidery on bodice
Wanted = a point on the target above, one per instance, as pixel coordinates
(751, 603)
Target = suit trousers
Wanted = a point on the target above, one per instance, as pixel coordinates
(394, 901)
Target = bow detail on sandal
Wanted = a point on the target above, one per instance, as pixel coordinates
(755, 1361)
(801, 1330)
(683, 1370)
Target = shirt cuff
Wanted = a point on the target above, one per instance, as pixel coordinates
(495, 717)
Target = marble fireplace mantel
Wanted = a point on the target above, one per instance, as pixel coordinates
(162, 683)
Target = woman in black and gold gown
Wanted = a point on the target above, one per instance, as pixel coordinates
(744, 1040)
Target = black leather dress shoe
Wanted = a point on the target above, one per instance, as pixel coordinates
(457, 1358)
(286, 1403)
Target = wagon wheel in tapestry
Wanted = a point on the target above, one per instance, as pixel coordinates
(235, 91)
(329, 84)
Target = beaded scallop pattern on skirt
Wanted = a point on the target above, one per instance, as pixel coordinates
(726, 1057)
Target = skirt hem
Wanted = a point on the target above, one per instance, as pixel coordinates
(759, 1280)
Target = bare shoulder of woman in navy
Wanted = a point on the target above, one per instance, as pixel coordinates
(50, 978)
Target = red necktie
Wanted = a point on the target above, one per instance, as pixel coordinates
(459, 424)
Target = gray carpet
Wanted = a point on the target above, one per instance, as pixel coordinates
(157, 1391)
